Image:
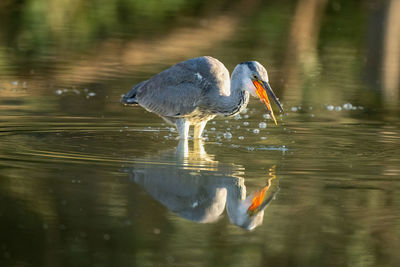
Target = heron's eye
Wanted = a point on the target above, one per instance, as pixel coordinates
(255, 77)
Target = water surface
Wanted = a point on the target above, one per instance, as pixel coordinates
(85, 181)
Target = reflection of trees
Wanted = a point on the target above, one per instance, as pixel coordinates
(172, 37)
(301, 62)
(391, 53)
(168, 49)
(383, 50)
(302, 65)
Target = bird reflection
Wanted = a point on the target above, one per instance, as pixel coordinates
(194, 186)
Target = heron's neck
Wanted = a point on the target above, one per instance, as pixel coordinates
(238, 98)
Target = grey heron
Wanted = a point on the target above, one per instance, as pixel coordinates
(196, 90)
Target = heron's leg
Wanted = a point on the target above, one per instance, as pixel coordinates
(183, 128)
(198, 147)
(182, 149)
(198, 129)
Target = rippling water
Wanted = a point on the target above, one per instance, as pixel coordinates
(85, 181)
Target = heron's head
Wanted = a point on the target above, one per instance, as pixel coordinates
(255, 80)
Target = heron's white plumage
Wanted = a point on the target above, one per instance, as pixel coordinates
(198, 75)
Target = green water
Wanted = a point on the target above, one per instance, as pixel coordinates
(85, 181)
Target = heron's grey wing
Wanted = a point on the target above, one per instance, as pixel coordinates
(171, 100)
(178, 90)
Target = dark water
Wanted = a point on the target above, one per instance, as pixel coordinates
(87, 182)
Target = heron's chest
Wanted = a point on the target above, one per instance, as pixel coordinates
(199, 115)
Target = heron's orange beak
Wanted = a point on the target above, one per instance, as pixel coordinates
(263, 90)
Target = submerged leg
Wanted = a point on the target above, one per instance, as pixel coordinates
(183, 128)
(182, 150)
(198, 129)
(198, 148)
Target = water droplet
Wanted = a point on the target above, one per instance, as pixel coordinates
(212, 129)
(330, 107)
(59, 92)
(294, 109)
(241, 137)
(238, 117)
(338, 108)
(262, 125)
(256, 131)
(267, 116)
(245, 123)
(227, 135)
(246, 116)
(347, 106)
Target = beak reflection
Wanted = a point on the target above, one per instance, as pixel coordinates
(263, 197)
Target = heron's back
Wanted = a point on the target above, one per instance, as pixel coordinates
(179, 90)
